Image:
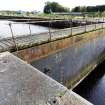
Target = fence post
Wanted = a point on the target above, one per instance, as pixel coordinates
(62, 75)
(103, 22)
(99, 22)
(10, 25)
(85, 24)
(30, 33)
(95, 23)
(49, 30)
(30, 29)
(71, 28)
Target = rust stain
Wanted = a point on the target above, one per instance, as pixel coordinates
(37, 52)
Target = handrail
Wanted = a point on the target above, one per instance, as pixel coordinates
(53, 35)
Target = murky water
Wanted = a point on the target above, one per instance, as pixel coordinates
(93, 87)
(19, 29)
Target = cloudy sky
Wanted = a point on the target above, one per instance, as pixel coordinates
(29, 5)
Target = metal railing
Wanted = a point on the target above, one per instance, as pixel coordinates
(35, 38)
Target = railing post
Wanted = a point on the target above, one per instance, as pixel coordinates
(103, 22)
(49, 31)
(10, 25)
(85, 24)
(98, 23)
(30, 29)
(95, 24)
(30, 33)
(71, 28)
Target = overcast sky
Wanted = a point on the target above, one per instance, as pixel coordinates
(29, 5)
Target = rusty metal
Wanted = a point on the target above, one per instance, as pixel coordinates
(49, 28)
(30, 29)
(85, 24)
(71, 27)
(10, 25)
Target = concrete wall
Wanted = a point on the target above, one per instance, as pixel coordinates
(37, 52)
(26, 41)
(86, 59)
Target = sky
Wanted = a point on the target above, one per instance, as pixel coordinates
(29, 5)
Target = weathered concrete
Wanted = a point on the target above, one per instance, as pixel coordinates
(21, 84)
(61, 24)
(73, 63)
(27, 41)
(40, 51)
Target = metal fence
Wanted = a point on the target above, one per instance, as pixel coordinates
(30, 38)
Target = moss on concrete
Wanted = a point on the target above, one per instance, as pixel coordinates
(84, 72)
(23, 46)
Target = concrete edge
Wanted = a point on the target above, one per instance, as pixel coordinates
(68, 97)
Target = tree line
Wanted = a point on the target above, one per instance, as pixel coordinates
(98, 8)
(54, 7)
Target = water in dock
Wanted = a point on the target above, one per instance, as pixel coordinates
(93, 87)
(64, 64)
(19, 29)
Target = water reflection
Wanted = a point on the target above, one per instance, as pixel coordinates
(19, 29)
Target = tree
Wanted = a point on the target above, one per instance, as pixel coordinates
(83, 9)
(98, 8)
(76, 9)
(54, 7)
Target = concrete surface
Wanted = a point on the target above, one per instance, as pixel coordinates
(26, 41)
(21, 84)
